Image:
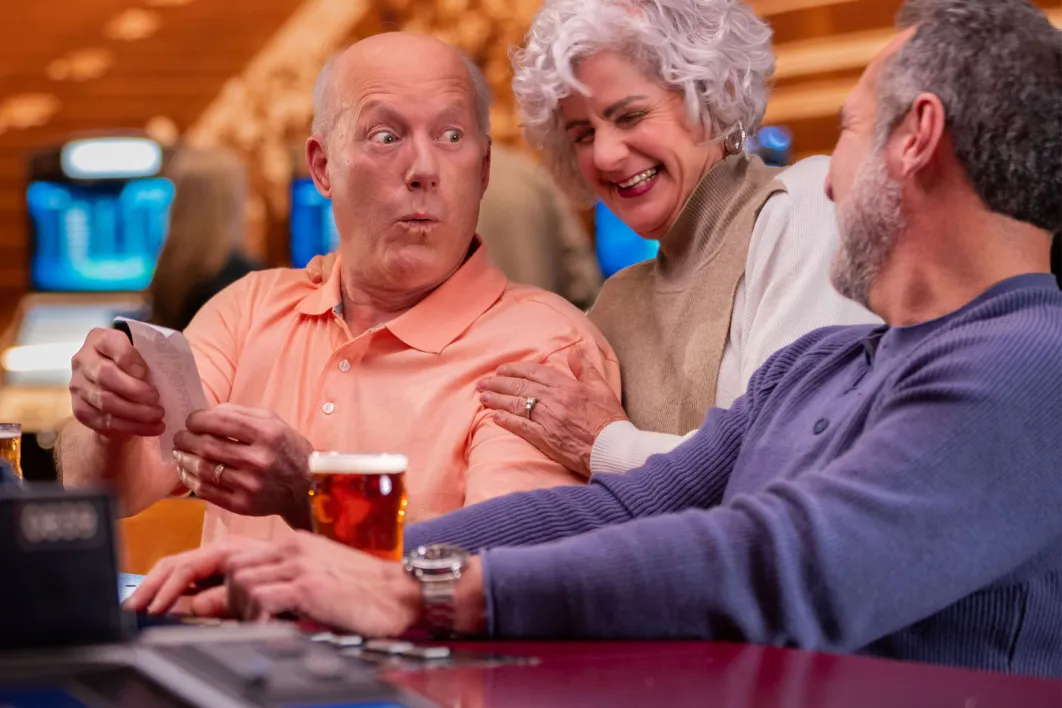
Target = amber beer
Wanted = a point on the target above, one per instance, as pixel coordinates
(360, 500)
(11, 445)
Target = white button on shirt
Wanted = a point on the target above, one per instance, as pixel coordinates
(344, 366)
(328, 408)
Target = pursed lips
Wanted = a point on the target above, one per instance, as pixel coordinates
(418, 217)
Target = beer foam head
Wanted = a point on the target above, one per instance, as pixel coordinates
(356, 463)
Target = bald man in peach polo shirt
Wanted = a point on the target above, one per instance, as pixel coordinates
(383, 356)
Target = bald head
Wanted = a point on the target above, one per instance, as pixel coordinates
(393, 55)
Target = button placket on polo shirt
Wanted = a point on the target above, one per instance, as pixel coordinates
(344, 360)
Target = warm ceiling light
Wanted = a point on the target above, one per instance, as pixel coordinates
(54, 356)
(168, 3)
(162, 130)
(96, 158)
(132, 24)
(28, 110)
(58, 69)
(81, 65)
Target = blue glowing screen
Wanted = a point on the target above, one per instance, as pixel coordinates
(313, 225)
(38, 697)
(617, 245)
(100, 237)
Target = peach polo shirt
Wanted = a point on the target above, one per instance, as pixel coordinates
(275, 340)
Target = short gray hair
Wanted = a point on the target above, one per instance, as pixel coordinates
(324, 110)
(716, 53)
(996, 66)
(323, 118)
(481, 93)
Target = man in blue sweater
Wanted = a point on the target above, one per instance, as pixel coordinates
(894, 490)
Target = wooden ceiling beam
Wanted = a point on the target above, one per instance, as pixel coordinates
(822, 98)
(769, 8)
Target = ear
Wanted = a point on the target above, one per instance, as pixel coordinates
(923, 132)
(486, 168)
(317, 162)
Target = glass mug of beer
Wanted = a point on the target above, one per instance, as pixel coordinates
(359, 500)
(11, 446)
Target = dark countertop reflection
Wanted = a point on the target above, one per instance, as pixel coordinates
(675, 674)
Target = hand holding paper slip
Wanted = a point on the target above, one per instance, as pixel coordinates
(171, 370)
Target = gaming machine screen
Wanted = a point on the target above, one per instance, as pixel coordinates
(97, 237)
(313, 225)
(616, 244)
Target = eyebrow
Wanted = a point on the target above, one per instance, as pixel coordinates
(608, 112)
(621, 104)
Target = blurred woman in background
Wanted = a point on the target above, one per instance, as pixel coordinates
(203, 251)
(532, 233)
(646, 106)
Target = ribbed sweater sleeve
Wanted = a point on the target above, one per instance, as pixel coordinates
(693, 475)
(953, 484)
(621, 447)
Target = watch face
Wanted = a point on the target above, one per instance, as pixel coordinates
(439, 556)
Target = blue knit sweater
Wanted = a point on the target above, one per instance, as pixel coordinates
(890, 491)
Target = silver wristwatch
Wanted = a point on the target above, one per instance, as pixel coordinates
(437, 567)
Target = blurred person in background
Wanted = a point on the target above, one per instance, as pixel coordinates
(532, 232)
(204, 248)
(383, 356)
(646, 106)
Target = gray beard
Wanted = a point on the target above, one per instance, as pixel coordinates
(869, 221)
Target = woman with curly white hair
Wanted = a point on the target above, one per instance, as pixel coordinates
(646, 105)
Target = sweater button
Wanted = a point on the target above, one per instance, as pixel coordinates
(820, 425)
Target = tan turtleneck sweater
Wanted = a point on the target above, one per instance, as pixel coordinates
(743, 272)
(668, 319)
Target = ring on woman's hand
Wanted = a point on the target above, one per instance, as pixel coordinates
(218, 471)
(529, 404)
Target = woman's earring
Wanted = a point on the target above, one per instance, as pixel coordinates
(734, 142)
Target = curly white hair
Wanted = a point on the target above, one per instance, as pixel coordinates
(716, 53)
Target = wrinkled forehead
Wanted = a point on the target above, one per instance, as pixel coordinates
(399, 84)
